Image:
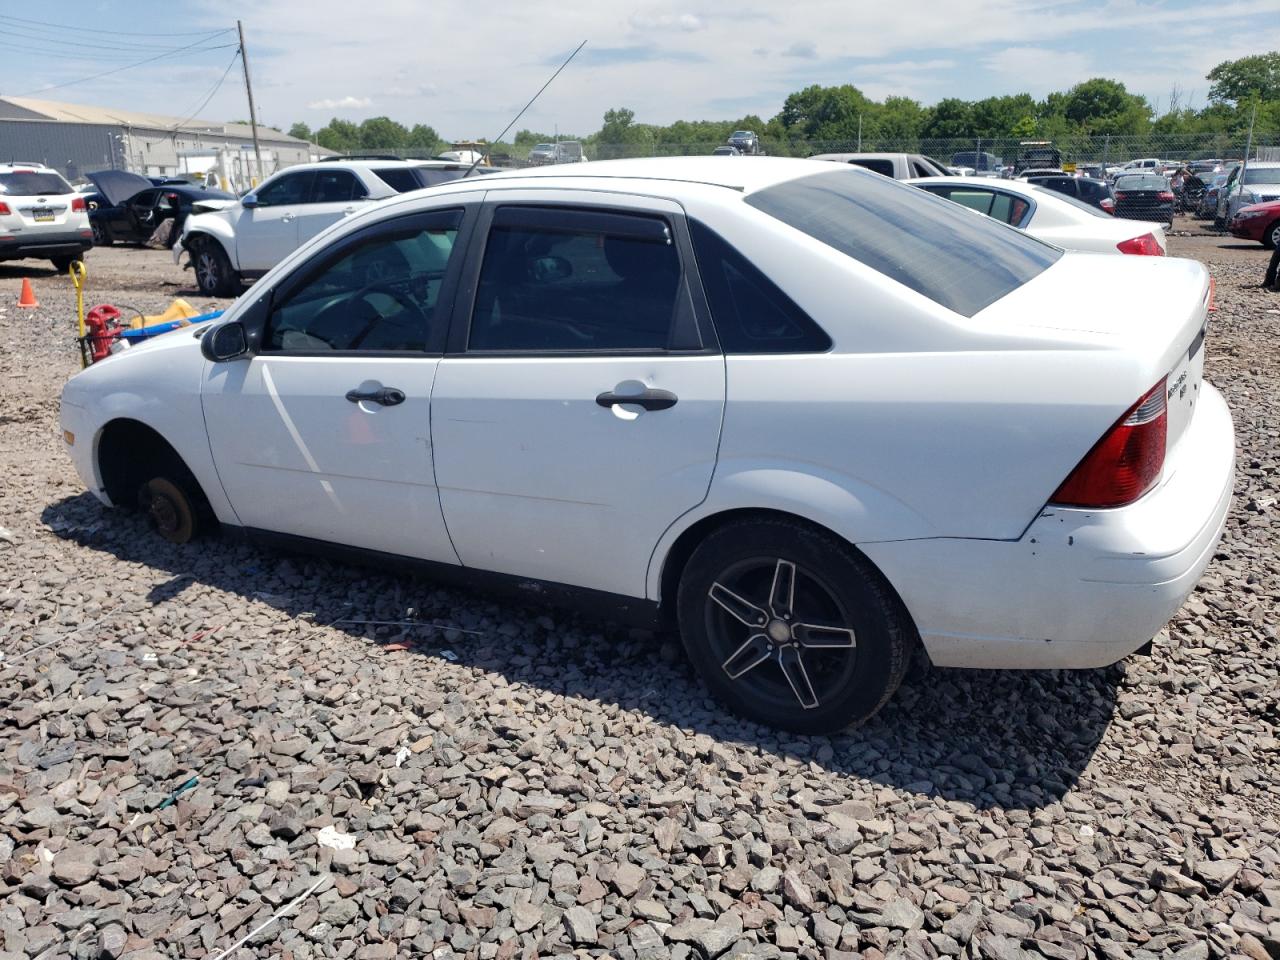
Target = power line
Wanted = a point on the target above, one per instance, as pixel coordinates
(108, 48)
(121, 33)
(216, 87)
(130, 66)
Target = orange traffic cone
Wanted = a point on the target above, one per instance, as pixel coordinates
(28, 298)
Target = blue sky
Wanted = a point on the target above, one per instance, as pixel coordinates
(466, 69)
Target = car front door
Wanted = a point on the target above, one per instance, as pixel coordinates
(139, 213)
(576, 413)
(334, 194)
(323, 431)
(267, 232)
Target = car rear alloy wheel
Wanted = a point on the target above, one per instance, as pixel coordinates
(791, 627)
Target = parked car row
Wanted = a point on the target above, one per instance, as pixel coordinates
(808, 416)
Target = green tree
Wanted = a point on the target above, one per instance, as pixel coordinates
(1237, 80)
(340, 135)
(422, 137)
(949, 118)
(383, 133)
(898, 118)
(301, 131)
(1105, 106)
(1025, 128)
(825, 113)
(997, 116)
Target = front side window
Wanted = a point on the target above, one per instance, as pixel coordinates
(379, 295)
(570, 280)
(959, 261)
(288, 190)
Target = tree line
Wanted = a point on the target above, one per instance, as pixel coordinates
(1093, 108)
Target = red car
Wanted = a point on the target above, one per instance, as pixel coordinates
(1260, 221)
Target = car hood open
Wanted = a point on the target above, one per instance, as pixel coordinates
(117, 186)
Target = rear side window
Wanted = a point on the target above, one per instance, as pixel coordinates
(400, 179)
(35, 183)
(960, 261)
(884, 167)
(337, 186)
(750, 313)
(572, 280)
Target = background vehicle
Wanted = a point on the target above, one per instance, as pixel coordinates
(898, 166)
(1096, 193)
(1259, 221)
(1258, 182)
(960, 171)
(41, 216)
(1144, 196)
(1208, 207)
(542, 153)
(570, 151)
(135, 219)
(1144, 165)
(726, 151)
(745, 142)
(1049, 215)
(984, 164)
(652, 392)
(1037, 155)
(245, 240)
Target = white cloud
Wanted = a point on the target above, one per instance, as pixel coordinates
(803, 49)
(687, 22)
(1039, 70)
(341, 103)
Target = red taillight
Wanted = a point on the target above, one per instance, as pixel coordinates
(77, 205)
(1144, 246)
(4, 210)
(1108, 205)
(1165, 195)
(1126, 462)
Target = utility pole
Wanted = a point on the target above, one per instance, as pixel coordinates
(859, 133)
(253, 116)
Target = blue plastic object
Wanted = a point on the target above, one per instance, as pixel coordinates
(146, 333)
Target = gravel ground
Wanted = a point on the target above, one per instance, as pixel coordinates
(196, 741)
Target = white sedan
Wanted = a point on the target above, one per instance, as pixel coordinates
(805, 413)
(1061, 220)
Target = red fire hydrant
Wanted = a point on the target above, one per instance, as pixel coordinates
(102, 327)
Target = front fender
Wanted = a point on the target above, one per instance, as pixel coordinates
(848, 507)
(213, 225)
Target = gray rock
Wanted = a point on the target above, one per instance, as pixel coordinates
(580, 925)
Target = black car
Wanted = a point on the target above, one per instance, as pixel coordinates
(744, 141)
(128, 207)
(1096, 193)
(1144, 196)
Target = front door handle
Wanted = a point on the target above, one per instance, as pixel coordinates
(287, 218)
(387, 396)
(650, 399)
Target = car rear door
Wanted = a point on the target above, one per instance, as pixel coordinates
(268, 232)
(576, 413)
(334, 194)
(323, 431)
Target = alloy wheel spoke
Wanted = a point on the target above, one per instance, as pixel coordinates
(793, 669)
(818, 636)
(748, 656)
(742, 610)
(782, 594)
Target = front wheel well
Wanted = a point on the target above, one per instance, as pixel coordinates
(678, 556)
(130, 453)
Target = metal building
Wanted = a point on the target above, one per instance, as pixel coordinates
(73, 139)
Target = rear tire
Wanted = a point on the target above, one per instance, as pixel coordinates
(214, 276)
(63, 264)
(819, 653)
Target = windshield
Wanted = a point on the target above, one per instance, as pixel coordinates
(931, 245)
(740, 133)
(545, 146)
(1261, 175)
(33, 183)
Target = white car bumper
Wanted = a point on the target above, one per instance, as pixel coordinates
(78, 436)
(1081, 588)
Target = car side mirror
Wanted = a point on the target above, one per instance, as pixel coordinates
(226, 341)
(249, 201)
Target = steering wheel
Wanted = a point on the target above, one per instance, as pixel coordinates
(378, 286)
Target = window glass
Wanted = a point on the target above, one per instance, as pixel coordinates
(401, 179)
(1261, 175)
(751, 314)
(957, 260)
(979, 200)
(1008, 209)
(884, 167)
(571, 280)
(289, 189)
(33, 183)
(1082, 206)
(336, 186)
(919, 169)
(381, 295)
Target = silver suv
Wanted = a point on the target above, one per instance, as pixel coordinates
(41, 216)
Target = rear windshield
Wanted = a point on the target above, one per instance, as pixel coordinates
(23, 184)
(1142, 183)
(884, 167)
(934, 247)
(1067, 198)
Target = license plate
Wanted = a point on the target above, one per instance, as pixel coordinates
(42, 215)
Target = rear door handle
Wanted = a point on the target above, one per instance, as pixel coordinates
(651, 399)
(387, 396)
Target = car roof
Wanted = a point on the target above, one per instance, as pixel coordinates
(658, 175)
(861, 156)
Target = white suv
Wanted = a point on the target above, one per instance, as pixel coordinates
(41, 216)
(246, 239)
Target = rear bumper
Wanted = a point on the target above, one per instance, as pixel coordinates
(62, 243)
(1081, 588)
